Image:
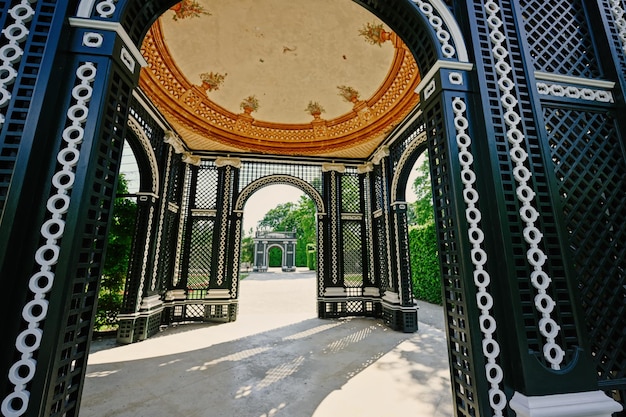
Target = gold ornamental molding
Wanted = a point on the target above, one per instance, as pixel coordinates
(206, 126)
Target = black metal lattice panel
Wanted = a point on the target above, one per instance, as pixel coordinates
(591, 168)
(167, 250)
(352, 254)
(200, 254)
(378, 194)
(71, 360)
(559, 38)
(399, 146)
(254, 170)
(612, 30)
(539, 182)
(27, 69)
(463, 368)
(350, 193)
(382, 249)
(207, 189)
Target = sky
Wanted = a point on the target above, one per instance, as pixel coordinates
(258, 204)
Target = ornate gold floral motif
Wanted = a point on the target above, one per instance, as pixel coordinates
(212, 80)
(349, 94)
(374, 33)
(187, 9)
(249, 104)
(314, 108)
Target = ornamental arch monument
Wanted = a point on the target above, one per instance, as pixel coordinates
(517, 103)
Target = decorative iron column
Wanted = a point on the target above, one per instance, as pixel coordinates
(371, 280)
(332, 300)
(57, 214)
(221, 303)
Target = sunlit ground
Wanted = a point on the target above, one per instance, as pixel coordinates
(277, 359)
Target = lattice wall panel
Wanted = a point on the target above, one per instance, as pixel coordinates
(559, 37)
(71, 360)
(539, 182)
(591, 168)
(252, 171)
(382, 250)
(27, 67)
(350, 194)
(206, 193)
(459, 348)
(200, 254)
(352, 254)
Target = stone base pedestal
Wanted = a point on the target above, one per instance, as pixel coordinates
(579, 404)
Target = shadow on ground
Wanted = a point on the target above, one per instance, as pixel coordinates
(311, 368)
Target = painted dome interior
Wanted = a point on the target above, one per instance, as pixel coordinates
(299, 78)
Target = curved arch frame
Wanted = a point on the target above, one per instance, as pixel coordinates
(280, 179)
(145, 157)
(403, 169)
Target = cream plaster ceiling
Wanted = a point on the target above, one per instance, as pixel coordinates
(286, 54)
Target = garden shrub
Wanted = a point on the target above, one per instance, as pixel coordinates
(425, 264)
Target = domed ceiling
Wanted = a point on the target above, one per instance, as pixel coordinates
(283, 77)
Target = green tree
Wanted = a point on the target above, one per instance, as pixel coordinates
(247, 248)
(120, 239)
(421, 211)
(423, 240)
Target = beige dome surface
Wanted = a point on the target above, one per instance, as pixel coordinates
(248, 75)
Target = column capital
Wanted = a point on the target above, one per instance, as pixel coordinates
(331, 166)
(365, 168)
(176, 143)
(381, 153)
(228, 161)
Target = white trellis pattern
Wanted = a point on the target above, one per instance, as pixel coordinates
(549, 329)
(570, 91)
(11, 53)
(333, 226)
(46, 257)
(221, 262)
(620, 20)
(443, 36)
(482, 279)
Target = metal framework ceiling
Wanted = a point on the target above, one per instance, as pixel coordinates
(246, 75)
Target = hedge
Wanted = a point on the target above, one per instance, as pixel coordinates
(424, 263)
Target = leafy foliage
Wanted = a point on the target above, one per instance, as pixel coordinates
(120, 239)
(423, 241)
(298, 216)
(275, 256)
(424, 263)
(247, 249)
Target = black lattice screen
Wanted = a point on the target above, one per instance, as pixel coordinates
(71, 360)
(350, 194)
(206, 192)
(253, 170)
(380, 237)
(591, 168)
(352, 257)
(200, 257)
(539, 182)
(12, 130)
(465, 373)
(559, 38)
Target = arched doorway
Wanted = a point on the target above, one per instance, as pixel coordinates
(497, 97)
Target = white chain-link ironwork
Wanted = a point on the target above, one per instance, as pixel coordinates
(47, 255)
(549, 329)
